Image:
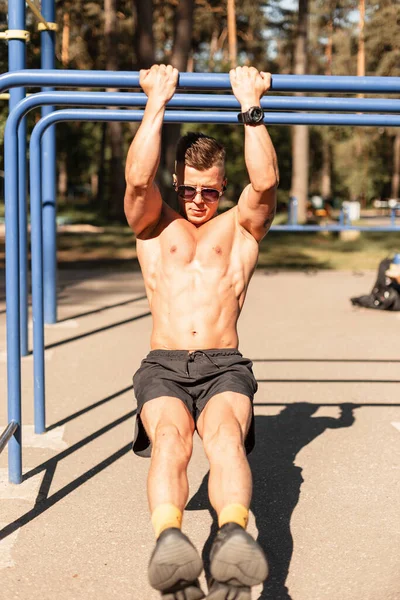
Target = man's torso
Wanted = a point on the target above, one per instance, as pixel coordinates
(196, 279)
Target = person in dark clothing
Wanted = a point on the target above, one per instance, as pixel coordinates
(385, 295)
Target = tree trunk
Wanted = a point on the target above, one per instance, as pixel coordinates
(361, 41)
(101, 173)
(116, 179)
(62, 176)
(183, 26)
(65, 37)
(326, 188)
(361, 155)
(326, 183)
(396, 166)
(232, 36)
(144, 38)
(300, 135)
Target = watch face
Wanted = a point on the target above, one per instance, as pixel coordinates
(256, 114)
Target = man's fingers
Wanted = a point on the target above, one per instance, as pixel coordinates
(267, 79)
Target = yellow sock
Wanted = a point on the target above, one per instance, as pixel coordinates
(234, 513)
(164, 516)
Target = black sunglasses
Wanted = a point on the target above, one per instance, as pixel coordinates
(188, 192)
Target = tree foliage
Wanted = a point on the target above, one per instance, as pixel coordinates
(91, 155)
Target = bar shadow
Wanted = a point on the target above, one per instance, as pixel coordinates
(277, 483)
(94, 331)
(87, 409)
(103, 308)
(43, 502)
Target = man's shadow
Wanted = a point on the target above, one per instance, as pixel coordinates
(276, 484)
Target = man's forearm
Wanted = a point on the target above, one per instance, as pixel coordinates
(144, 153)
(260, 158)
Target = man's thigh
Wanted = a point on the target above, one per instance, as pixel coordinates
(227, 408)
(166, 411)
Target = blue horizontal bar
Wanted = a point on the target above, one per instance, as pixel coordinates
(225, 101)
(276, 118)
(215, 81)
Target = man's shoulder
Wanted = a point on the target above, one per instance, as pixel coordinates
(167, 216)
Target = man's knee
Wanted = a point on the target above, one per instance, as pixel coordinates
(224, 441)
(170, 441)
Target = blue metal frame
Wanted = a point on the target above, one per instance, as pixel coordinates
(126, 80)
(37, 275)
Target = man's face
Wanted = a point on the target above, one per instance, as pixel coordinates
(198, 210)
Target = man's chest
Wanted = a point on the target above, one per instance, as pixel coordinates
(181, 246)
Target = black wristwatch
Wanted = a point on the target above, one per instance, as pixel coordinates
(253, 116)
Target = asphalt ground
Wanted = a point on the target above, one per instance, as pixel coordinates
(326, 465)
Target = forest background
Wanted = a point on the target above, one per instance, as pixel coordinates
(280, 36)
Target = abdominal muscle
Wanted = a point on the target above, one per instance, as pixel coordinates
(192, 314)
(196, 283)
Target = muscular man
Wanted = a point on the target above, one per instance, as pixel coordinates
(196, 268)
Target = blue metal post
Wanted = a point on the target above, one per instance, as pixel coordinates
(393, 216)
(49, 185)
(17, 60)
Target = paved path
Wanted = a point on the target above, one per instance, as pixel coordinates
(326, 466)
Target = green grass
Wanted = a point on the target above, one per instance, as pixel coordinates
(281, 250)
(115, 245)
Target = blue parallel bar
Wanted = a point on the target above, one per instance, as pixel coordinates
(225, 101)
(17, 61)
(49, 185)
(215, 81)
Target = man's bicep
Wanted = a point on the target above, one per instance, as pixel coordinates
(256, 210)
(142, 206)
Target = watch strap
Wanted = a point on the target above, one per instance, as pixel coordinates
(244, 117)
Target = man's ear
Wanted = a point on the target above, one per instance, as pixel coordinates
(224, 184)
(174, 180)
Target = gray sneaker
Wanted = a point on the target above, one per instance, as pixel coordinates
(236, 561)
(175, 566)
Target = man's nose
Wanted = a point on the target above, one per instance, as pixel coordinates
(198, 199)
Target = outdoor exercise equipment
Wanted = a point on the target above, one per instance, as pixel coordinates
(43, 190)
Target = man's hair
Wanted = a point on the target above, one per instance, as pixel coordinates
(199, 151)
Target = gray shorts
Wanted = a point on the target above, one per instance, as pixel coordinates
(194, 378)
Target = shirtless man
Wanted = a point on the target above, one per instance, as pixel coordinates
(196, 268)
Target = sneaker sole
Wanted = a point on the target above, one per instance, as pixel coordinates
(240, 561)
(175, 562)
